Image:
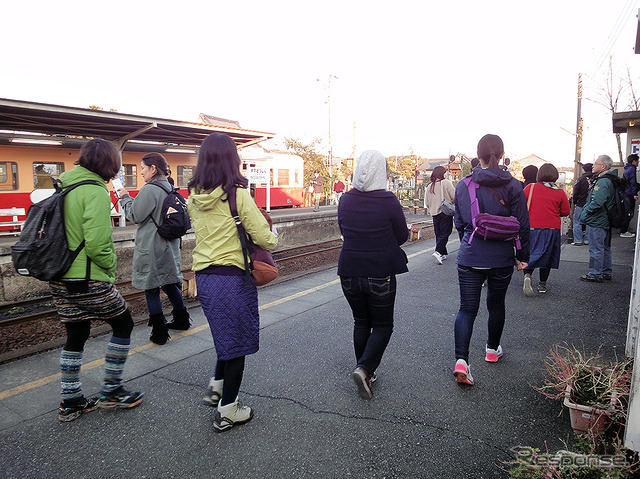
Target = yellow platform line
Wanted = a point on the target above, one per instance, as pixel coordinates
(100, 362)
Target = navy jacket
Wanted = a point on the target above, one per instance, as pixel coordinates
(373, 227)
(632, 183)
(483, 253)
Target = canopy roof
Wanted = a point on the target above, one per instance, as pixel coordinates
(64, 121)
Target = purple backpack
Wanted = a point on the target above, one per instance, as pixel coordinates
(491, 227)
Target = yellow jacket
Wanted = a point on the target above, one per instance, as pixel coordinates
(217, 241)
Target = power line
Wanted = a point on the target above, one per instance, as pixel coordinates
(616, 30)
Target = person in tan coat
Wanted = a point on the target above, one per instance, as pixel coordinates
(439, 190)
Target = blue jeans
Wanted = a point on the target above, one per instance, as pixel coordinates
(470, 281)
(154, 305)
(442, 227)
(372, 301)
(599, 251)
(577, 226)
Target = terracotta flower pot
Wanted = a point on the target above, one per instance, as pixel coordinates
(585, 418)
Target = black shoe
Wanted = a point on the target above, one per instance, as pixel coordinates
(159, 330)
(120, 398)
(590, 279)
(181, 320)
(606, 277)
(68, 413)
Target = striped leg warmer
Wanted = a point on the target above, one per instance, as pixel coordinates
(70, 363)
(117, 351)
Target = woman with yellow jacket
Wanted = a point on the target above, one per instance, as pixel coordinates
(229, 299)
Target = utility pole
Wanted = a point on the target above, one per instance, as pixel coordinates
(577, 168)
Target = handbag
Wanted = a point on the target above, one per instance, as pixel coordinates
(258, 262)
(445, 207)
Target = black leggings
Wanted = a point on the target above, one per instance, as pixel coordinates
(78, 333)
(544, 273)
(231, 371)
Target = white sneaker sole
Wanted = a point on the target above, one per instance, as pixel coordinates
(526, 288)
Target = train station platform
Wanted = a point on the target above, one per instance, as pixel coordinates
(309, 421)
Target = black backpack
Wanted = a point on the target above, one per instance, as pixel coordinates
(616, 213)
(175, 216)
(42, 250)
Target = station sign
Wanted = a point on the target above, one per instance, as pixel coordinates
(635, 146)
(258, 175)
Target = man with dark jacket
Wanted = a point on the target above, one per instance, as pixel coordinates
(580, 192)
(594, 215)
(631, 194)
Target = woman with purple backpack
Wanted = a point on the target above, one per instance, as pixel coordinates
(480, 258)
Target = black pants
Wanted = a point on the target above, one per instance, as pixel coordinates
(629, 209)
(78, 332)
(442, 227)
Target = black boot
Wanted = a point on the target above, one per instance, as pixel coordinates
(181, 320)
(159, 331)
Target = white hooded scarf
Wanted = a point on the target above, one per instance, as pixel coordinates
(371, 172)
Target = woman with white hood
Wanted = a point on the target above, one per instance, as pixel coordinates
(373, 227)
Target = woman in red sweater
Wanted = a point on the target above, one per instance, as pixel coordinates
(546, 202)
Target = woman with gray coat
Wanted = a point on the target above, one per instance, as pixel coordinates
(156, 261)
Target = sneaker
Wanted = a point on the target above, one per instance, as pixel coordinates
(606, 277)
(492, 355)
(438, 257)
(214, 393)
(542, 287)
(373, 378)
(463, 373)
(443, 256)
(628, 234)
(71, 413)
(526, 288)
(120, 398)
(590, 279)
(577, 243)
(231, 415)
(363, 382)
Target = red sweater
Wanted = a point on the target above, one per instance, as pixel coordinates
(547, 206)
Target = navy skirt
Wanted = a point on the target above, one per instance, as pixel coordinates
(545, 248)
(230, 304)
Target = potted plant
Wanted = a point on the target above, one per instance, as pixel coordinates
(596, 391)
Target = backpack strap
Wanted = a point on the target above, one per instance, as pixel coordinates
(472, 186)
(242, 234)
(171, 190)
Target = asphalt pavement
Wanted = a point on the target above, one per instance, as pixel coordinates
(309, 421)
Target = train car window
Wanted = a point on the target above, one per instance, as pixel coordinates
(184, 175)
(8, 176)
(45, 173)
(296, 177)
(283, 177)
(270, 176)
(130, 176)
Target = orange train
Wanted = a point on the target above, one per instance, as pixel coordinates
(25, 169)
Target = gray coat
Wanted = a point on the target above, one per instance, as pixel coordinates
(156, 261)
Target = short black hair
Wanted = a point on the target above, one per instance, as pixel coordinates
(631, 158)
(101, 157)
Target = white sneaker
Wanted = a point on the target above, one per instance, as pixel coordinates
(231, 415)
(214, 392)
(437, 257)
(492, 355)
(444, 256)
(628, 234)
(462, 372)
(526, 288)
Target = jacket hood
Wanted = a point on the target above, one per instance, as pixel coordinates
(611, 172)
(206, 200)
(371, 171)
(80, 173)
(491, 177)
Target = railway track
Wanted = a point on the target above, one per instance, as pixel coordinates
(42, 308)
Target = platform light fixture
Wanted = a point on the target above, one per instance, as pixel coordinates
(177, 150)
(29, 141)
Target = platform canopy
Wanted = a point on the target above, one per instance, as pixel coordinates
(624, 120)
(22, 118)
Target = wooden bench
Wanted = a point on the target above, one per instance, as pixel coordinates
(14, 224)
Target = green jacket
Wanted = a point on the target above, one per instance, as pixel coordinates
(599, 199)
(217, 241)
(87, 215)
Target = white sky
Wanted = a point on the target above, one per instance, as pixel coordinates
(431, 76)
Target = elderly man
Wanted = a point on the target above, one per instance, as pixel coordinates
(594, 215)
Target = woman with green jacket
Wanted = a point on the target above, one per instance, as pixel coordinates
(86, 291)
(156, 260)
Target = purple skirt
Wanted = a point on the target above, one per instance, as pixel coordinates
(230, 304)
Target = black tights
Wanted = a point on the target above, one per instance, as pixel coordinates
(231, 371)
(78, 333)
(544, 273)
